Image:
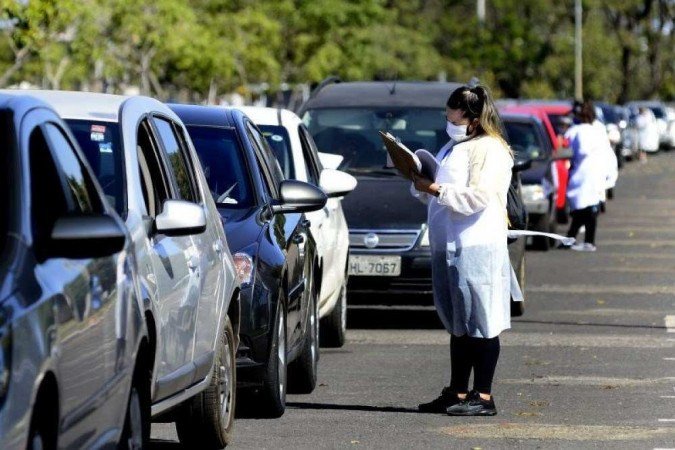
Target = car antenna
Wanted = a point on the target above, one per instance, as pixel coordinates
(392, 89)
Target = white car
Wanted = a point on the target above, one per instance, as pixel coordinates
(299, 158)
(147, 166)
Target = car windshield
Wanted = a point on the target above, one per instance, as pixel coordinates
(100, 143)
(659, 112)
(353, 134)
(224, 165)
(278, 138)
(524, 140)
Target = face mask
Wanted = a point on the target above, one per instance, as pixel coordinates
(456, 132)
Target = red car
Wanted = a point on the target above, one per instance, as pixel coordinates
(550, 115)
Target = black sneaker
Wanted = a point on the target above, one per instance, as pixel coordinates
(441, 404)
(473, 405)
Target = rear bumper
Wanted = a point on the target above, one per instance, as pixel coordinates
(414, 280)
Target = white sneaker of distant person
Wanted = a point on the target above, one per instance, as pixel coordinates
(585, 247)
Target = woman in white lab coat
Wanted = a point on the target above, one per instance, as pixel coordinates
(588, 175)
(472, 276)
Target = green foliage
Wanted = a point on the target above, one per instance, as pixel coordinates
(197, 49)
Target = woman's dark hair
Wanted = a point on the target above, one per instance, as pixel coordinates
(584, 111)
(477, 105)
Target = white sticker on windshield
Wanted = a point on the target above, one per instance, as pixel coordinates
(277, 138)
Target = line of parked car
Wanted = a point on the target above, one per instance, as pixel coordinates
(159, 261)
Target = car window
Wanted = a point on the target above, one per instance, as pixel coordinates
(224, 165)
(81, 195)
(100, 143)
(525, 140)
(312, 169)
(278, 139)
(154, 182)
(268, 155)
(177, 159)
(271, 185)
(353, 133)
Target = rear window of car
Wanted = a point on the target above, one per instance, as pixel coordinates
(100, 143)
(224, 165)
(353, 133)
(525, 140)
(278, 138)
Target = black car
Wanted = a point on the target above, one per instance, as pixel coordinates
(274, 252)
(389, 246)
(527, 137)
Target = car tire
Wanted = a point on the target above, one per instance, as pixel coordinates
(136, 431)
(272, 395)
(333, 329)
(207, 420)
(542, 243)
(518, 308)
(302, 373)
(42, 434)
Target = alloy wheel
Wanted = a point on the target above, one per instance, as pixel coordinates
(135, 440)
(281, 355)
(225, 381)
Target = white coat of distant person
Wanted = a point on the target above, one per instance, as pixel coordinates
(648, 131)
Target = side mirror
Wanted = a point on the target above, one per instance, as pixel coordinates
(297, 196)
(336, 183)
(180, 218)
(520, 165)
(563, 153)
(92, 236)
(330, 161)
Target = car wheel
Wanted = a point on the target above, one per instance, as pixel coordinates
(334, 326)
(518, 308)
(272, 395)
(207, 420)
(136, 431)
(542, 243)
(303, 371)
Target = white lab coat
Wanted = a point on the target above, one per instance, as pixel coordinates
(611, 164)
(588, 173)
(648, 131)
(473, 281)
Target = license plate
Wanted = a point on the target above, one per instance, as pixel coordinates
(379, 266)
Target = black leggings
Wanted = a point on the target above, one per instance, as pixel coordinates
(479, 354)
(587, 217)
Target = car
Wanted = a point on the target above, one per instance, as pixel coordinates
(390, 260)
(561, 174)
(145, 161)
(269, 233)
(74, 371)
(529, 140)
(299, 159)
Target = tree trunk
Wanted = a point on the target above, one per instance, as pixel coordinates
(19, 60)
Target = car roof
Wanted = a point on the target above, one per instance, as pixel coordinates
(212, 116)
(261, 115)
(519, 117)
(19, 102)
(418, 94)
(81, 105)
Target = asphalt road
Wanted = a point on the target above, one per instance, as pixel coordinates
(591, 364)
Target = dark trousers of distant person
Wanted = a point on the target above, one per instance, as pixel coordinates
(587, 217)
(479, 354)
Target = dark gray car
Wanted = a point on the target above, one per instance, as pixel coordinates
(389, 246)
(74, 371)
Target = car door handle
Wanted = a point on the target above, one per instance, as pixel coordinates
(218, 247)
(193, 263)
(306, 223)
(298, 239)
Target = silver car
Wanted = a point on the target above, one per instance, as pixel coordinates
(73, 343)
(146, 164)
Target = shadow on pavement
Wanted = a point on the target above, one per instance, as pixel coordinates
(367, 408)
(587, 324)
(160, 444)
(390, 319)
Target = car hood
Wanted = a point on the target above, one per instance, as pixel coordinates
(383, 203)
(242, 227)
(536, 173)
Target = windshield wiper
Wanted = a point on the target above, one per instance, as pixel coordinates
(225, 196)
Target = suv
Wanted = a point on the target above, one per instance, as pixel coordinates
(389, 245)
(74, 370)
(147, 166)
(266, 226)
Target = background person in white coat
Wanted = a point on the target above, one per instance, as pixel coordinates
(472, 276)
(588, 176)
(648, 132)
